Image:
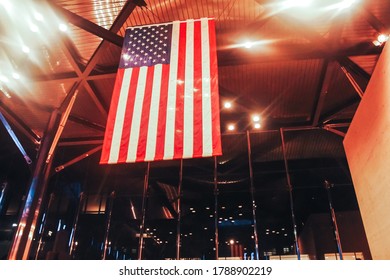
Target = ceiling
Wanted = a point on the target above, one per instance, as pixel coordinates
(304, 74)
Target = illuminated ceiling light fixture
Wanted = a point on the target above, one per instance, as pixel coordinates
(34, 28)
(63, 27)
(297, 3)
(346, 4)
(227, 105)
(16, 76)
(25, 49)
(6, 4)
(256, 118)
(248, 45)
(382, 38)
(38, 16)
(257, 125)
(231, 127)
(4, 79)
(231, 241)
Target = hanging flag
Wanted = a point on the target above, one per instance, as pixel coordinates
(165, 102)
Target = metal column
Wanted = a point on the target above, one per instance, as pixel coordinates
(142, 225)
(28, 220)
(108, 212)
(178, 239)
(43, 224)
(334, 220)
(74, 228)
(216, 208)
(252, 190)
(297, 250)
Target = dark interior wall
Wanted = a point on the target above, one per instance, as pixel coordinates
(317, 237)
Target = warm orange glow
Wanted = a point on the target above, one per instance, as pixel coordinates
(231, 127)
(257, 125)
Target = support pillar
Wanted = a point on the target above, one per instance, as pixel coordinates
(178, 232)
(252, 191)
(108, 211)
(142, 225)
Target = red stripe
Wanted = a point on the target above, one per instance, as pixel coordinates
(111, 117)
(217, 149)
(198, 125)
(144, 125)
(162, 113)
(179, 118)
(128, 116)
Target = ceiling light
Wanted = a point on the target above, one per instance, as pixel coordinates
(231, 127)
(63, 27)
(231, 241)
(297, 3)
(34, 28)
(4, 79)
(257, 125)
(25, 49)
(256, 118)
(227, 105)
(383, 38)
(16, 76)
(248, 45)
(38, 16)
(346, 4)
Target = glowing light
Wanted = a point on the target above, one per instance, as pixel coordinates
(6, 4)
(231, 127)
(297, 3)
(63, 27)
(376, 43)
(248, 45)
(14, 225)
(126, 56)
(383, 38)
(257, 126)
(4, 79)
(256, 118)
(16, 76)
(346, 4)
(227, 105)
(25, 49)
(231, 241)
(34, 28)
(38, 16)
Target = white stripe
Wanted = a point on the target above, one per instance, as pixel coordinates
(120, 117)
(206, 92)
(136, 121)
(153, 116)
(171, 99)
(188, 125)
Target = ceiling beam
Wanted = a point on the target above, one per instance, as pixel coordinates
(327, 117)
(19, 124)
(87, 25)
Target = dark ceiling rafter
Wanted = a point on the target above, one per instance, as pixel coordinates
(19, 124)
(70, 52)
(328, 72)
(88, 25)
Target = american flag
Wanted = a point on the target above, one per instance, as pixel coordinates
(165, 102)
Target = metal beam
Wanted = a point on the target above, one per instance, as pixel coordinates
(77, 159)
(88, 26)
(329, 71)
(19, 124)
(337, 110)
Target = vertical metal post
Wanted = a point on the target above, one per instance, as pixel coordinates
(74, 227)
(289, 185)
(108, 213)
(178, 232)
(24, 234)
(43, 225)
(216, 241)
(23, 238)
(334, 220)
(252, 190)
(142, 225)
